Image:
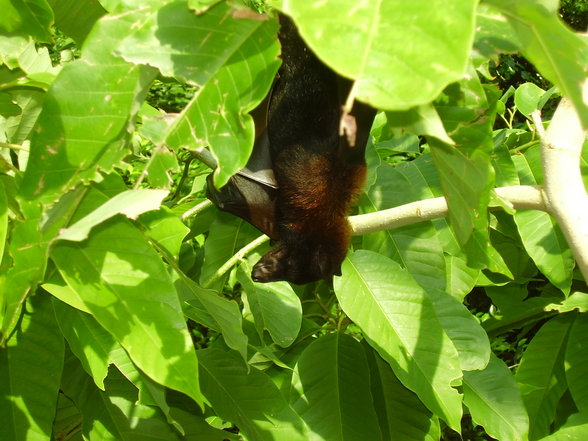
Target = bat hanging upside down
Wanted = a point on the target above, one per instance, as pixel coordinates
(303, 175)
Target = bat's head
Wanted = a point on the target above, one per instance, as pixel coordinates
(298, 265)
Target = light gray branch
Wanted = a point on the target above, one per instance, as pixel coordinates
(520, 197)
(565, 194)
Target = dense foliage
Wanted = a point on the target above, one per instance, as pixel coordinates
(126, 307)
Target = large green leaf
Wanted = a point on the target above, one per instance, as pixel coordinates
(333, 391)
(390, 73)
(113, 414)
(76, 17)
(539, 233)
(89, 341)
(419, 250)
(577, 361)
(495, 402)
(86, 115)
(126, 287)
(248, 398)
(206, 307)
(131, 203)
(402, 416)
(227, 235)
(30, 374)
(541, 375)
(31, 17)
(399, 321)
(574, 429)
(232, 59)
(275, 308)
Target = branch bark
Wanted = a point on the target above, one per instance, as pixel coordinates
(565, 194)
(521, 197)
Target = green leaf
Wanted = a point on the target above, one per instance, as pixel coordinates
(113, 414)
(30, 17)
(574, 429)
(76, 17)
(495, 402)
(248, 398)
(547, 246)
(162, 162)
(166, 229)
(576, 300)
(30, 374)
(421, 120)
(70, 146)
(131, 203)
(275, 308)
(227, 235)
(391, 308)
(377, 32)
(401, 414)
(332, 383)
(577, 362)
(233, 60)
(461, 279)
(118, 274)
(541, 375)
(204, 306)
(89, 341)
(527, 98)
(3, 220)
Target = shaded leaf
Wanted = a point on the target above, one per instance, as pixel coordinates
(391, 308)
(495, 402)
(248, 398)
(332, 383)
(30, 374)
(541, 375)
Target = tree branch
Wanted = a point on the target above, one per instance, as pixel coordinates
(565, 194)
(521, 197)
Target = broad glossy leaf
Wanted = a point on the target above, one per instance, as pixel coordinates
(227, 235)
(540, 234)
(86, 115)
(163, 162)
(402, 416)
(574, 429)
(113, 414)
(460, 278)
(495, 402)
(76, 17)
(333, 389)
(390, 73)
(19, 128)
(29, 247)
(131, 203)
(248, 398)
(419, 250)
(577, 361)
(126, 287)
(206, 307)
(541, 375)
(89, 341)
(166, 229)
(31, 17)
(392, 310)
(232, 59)
(576, 300)
(527, 97)
(30, 374)
(275, 308)
(494, 35)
